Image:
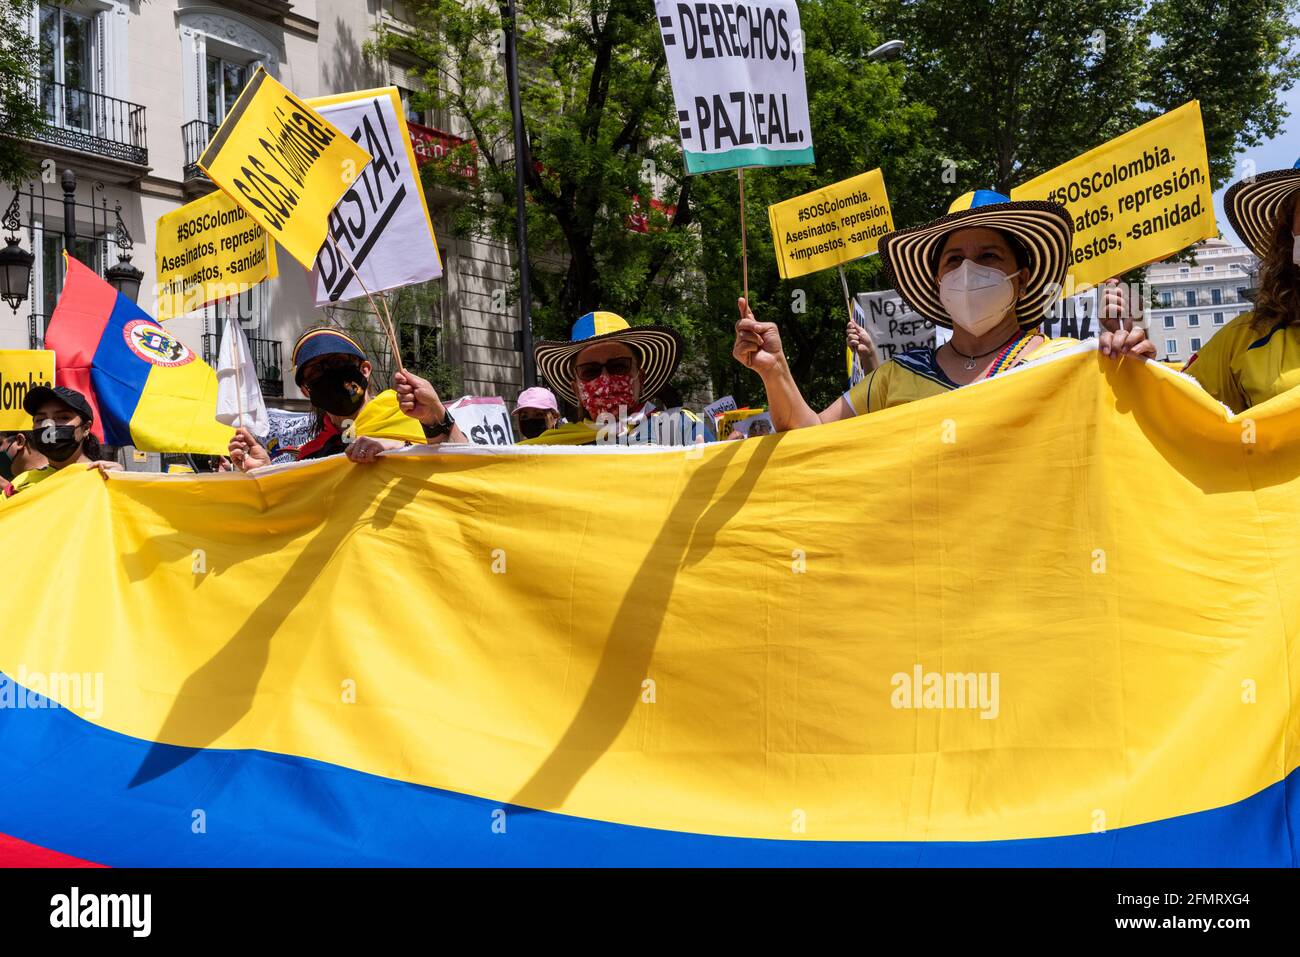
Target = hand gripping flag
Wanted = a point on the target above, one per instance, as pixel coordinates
(148, 389)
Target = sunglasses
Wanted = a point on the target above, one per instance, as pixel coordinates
(620, 365)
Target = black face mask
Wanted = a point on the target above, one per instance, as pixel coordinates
(63, 445)
(6, 465)
(339, 392)
(532, 427)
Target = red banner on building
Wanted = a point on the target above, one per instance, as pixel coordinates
(639, 220)
(431, 144)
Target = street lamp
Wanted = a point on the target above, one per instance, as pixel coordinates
(124, 277)
(15, 262)
(15, 273)
(889, 50)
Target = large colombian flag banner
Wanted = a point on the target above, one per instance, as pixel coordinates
(1049, 619)
(147, 387)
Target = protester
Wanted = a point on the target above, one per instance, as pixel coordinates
(16, 457)
(61, 431)
(606, 369)
(536, 411)
(987, 270)
(1257, 355)
(334, 373)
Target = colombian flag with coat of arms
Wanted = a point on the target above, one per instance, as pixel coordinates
(148, 389)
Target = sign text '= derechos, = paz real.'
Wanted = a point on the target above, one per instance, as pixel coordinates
(738, 83)
(742, 118)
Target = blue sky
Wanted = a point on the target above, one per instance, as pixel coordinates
(1278, 153)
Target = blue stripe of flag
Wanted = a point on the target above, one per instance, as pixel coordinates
(119, 374)
(119, 800)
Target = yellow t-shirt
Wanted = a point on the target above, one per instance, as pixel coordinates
(1243, 365)
(28, 479)
(917, 375)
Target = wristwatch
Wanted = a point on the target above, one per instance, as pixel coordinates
(441, 428)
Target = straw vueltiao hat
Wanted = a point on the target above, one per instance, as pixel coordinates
(1043, 229)
(658, 348)
(1254, 203)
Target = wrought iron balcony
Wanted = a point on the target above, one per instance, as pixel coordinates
(266, 360)
(93, 123)
(195, 135)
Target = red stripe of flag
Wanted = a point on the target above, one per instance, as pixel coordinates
(16, 853)
(76, 328)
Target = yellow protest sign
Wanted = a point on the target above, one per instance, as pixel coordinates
(20, 371)
(831, 225)
(284, 163)
(208, 250)
(1137, 199)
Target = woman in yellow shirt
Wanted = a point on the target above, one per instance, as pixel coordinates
(988, 270)
(1257, 355)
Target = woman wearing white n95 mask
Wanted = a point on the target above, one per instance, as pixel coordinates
(988, 270)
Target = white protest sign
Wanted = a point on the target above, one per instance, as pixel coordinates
(755, 426)
(484, 419)
(382, 223)
(1072, 318)
(738, 83)
(716, 408)
(892, 324)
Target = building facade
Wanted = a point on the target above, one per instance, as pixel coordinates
(1195, 300)
(133, 91)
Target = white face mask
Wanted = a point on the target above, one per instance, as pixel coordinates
(1295, 251)
(976, 297)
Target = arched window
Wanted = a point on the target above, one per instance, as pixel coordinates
(219, 54)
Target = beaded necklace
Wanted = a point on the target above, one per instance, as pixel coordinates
(1007, 358)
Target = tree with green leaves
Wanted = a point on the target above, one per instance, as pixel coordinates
(20, 115)
(861, 120)
(602, 143)
(989, 95)
(600, 146)
(409, 306)
(1013, 89)
(1019, 88)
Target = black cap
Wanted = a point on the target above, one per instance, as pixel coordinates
(73, 399)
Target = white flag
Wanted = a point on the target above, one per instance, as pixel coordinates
(381, 226)
(239, 394)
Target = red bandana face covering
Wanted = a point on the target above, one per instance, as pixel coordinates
(605, 394)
